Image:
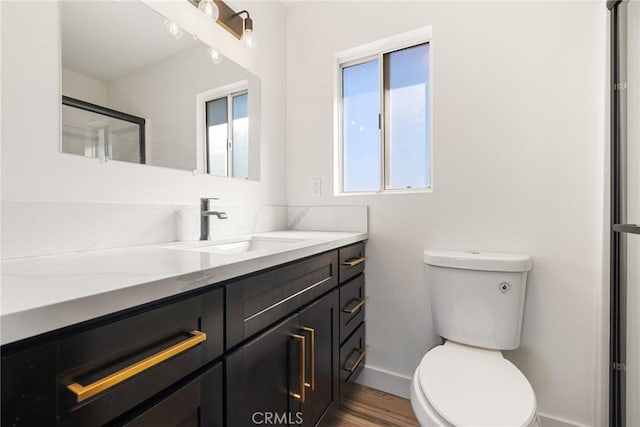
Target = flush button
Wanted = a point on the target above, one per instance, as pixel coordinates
(504, 287)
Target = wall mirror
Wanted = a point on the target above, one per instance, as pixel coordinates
(136, 88)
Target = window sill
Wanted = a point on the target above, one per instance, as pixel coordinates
(385, 192)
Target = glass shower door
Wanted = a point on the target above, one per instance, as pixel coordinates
(625, 214)
(632, 213)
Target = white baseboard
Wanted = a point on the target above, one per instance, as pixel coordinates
(399, 385)
(381, 379)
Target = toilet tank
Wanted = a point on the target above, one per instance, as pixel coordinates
(477, 298)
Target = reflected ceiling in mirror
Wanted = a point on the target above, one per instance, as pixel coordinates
(133, 91)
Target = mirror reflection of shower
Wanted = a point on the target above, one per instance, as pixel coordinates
(92, 131)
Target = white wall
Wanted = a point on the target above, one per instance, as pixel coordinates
(32, 167)
(518, 144)
(80, 86)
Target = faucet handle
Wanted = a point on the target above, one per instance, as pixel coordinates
(204, 202)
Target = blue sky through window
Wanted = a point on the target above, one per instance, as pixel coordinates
(361, 136)
(408, 133)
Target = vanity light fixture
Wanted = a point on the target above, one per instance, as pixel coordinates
(209, 8)
(239, 24)
(173, 28)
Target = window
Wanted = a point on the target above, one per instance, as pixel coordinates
(384, 116)
(227, 135)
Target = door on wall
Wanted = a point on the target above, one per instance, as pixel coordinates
(625, 214)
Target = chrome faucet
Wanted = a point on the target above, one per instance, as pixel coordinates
(205, 213)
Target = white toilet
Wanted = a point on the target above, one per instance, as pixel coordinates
(477, 302)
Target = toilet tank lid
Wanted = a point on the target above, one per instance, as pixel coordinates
(472, 260)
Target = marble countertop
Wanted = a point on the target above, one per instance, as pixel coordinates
(41, 294)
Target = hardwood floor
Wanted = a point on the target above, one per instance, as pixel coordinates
(366, 407)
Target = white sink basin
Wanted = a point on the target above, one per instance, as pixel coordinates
(236, 246)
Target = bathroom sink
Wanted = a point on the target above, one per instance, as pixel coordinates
(236, 246)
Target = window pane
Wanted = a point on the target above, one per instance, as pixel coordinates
(407, 118)
(360, 133)
(217, 136)
(240, 136)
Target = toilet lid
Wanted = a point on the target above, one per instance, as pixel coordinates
(469, 387)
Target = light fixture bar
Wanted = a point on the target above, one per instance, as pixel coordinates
(227, 18)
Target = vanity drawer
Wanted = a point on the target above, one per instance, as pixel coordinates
(352, 301)
(194, 402)
(108, 370)
(352, 359)
(258, 301)
(351, 260)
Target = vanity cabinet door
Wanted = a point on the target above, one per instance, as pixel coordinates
(263, 374)
(319, 323)
(264, 379)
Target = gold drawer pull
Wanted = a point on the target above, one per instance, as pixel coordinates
(355, 307)
(353, 262)
(312, 358)
(84, 392)
(301, 397)
(355, 365)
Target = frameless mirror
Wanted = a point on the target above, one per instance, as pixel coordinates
(136, 88)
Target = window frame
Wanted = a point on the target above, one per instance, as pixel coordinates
(362, 54)
(202, 140)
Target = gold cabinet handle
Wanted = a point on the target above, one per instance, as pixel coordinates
(358, 361)
(301, 397)
(312, 357)
(353, 262)
(84, 392)
(355, 307)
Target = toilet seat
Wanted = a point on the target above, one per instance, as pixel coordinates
(468, 386)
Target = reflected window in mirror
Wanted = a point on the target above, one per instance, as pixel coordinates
(227, 135)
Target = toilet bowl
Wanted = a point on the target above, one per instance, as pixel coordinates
(477, 302)
(458, 385)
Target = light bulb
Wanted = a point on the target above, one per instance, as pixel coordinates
(214, 55)
(248, 38)
(209, 8)
(173, 29)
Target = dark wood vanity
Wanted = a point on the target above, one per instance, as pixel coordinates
(278, 346)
